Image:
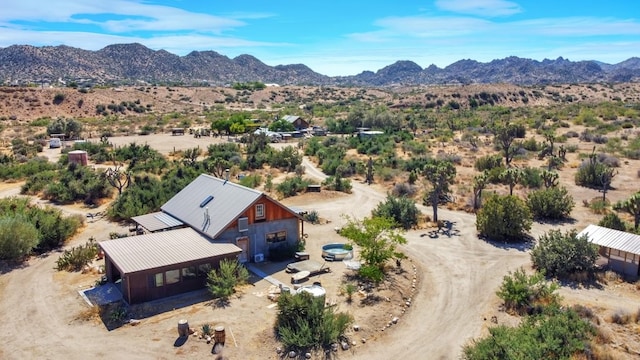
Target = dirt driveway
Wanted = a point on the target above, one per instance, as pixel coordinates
(41, 310)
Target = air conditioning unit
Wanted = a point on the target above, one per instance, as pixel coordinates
(258, 258)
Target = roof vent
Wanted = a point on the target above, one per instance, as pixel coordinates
(226, 175)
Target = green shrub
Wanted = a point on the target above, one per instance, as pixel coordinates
(303, 322)
(590, 173)
(292, 186)
(312, 217)
(18, 237)
(561, 255)
(337, 183)
(77, 257)
(504, 218)
(521, 292)
(599, 206)
(251, 181)
(78, 183)
(557, 333)
(402, 210)
(53, 228)
(551, 203)
(531, 145)
(613, 221)
(58, 98)
(16, 171)
(531, 177)
(222, 282)
(206, 330)
(488, 162)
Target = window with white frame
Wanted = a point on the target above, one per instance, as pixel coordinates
(260, 211)
(277, 236)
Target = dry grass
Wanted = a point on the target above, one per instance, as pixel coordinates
(92, 313)
(623, 317)
(609, 277)
(603, 352)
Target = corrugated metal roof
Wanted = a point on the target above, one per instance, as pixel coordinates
(290, 118)
(157, 221)
(229, 201)
(614, 239)
(150, 251)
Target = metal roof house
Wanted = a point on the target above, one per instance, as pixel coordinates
(298, 122)
(622, 249)
(209, 220)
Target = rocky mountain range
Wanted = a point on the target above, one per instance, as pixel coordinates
(131, 63)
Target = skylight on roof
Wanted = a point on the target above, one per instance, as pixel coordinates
(206, 201)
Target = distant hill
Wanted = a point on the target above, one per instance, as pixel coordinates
(131, 63)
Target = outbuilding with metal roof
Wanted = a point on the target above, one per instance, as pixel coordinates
(156, 265)
(622, 249)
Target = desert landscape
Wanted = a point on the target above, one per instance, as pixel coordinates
(441, 298)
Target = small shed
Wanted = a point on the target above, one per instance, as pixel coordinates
(78, 157)
(622, 249)
(177, 131)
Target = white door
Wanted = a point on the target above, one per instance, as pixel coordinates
(243, 243)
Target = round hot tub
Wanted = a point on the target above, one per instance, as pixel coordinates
(337, 251)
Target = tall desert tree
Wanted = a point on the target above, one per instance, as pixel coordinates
(440, 174)
(118, 178)
(631, 206)
(505, 134)
(511, 176)
(480, 182)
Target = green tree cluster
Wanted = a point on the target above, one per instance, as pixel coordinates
(561, 255)
(25, 227)
(551, 203)
(69, 127)
(557, 333)
(78, 183)
(402, 210)
(504, 218)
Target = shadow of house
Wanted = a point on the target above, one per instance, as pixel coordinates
(211, 219)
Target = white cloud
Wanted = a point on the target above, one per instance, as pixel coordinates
(488, 8)
(132, 16)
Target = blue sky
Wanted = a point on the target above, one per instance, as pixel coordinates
(338, 37)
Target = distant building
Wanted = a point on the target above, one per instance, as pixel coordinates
(369, 133)
(298, 122)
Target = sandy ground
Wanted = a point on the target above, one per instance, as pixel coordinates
(42, 313)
